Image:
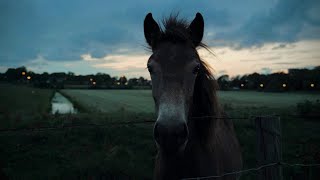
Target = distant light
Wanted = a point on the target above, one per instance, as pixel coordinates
(126, 83)
(23, 73)
(284, 85)
(91, 79)
(28, 77)
(242, 85)
(312, 85)
(94, 83)
(118, 83)
(261, 85)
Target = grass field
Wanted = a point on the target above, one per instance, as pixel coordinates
(128, 150)
(141, 100)
(20, 105)
(113, 100)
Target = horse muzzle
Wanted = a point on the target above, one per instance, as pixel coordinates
(171, 138)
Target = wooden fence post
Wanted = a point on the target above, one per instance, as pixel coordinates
(268, 131)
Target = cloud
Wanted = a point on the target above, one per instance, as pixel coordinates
(64, 30)
(287, 21)
(280, 46)
(247, 60)
(3, 69)
(266, 70)
(123, 62)
(287, 63)
(91, 36)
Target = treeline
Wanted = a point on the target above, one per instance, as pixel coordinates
(61, 80)
(294, 80)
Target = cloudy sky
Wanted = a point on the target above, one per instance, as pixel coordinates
(90, 36)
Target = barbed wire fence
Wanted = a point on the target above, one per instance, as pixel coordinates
(264, 127)
(119, 123)
(88, 125)
(252, 170)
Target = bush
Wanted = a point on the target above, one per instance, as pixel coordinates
(309, 109)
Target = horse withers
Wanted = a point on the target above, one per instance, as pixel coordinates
(192, 134)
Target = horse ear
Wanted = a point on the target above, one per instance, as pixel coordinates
(151, 30)
(196, 29)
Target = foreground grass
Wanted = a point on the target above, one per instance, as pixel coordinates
(24, 100)
(21, 105)
(121, 151)
(79, 153)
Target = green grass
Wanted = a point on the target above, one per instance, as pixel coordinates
(24, 100)
(113, 151)
(21, 105)
(141, 100)
(113, 100)
(260, 99)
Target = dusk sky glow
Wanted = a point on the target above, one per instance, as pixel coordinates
(86, 37)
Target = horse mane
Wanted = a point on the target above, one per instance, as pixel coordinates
(205, 103)
(206, 112)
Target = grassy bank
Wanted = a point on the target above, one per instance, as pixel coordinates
(21, 105)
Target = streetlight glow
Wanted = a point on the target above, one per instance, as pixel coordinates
(23, 73)
(261, 85)
(28, 77)
(284, 85)
(312, 85)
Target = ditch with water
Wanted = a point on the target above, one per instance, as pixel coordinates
(61, 105)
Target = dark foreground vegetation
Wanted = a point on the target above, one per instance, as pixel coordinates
(90, 145)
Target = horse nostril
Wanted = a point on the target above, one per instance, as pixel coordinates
(170, 137)
(182, 134)
(185, 131)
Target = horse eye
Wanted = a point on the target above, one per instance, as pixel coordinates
(150, 69)
(196, 69)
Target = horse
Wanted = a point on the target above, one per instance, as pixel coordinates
(193, 136)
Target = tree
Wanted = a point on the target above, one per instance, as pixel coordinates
(123, 80)
(224, 82)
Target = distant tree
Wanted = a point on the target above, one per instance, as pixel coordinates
(2, 77)
(14, 75)
(141, 81)
(123, 80)
(278, 82)
(224, 83)
(71, 73)
(235, 82)
(133, 82)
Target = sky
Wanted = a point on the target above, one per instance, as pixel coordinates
(91, 36)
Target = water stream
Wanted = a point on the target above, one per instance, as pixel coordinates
(61, 105)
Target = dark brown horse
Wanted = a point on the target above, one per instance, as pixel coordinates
(192, 135)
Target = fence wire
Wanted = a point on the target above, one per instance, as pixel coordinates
(104, 125)
(253, 169)
(117, 123)
(152, 121)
